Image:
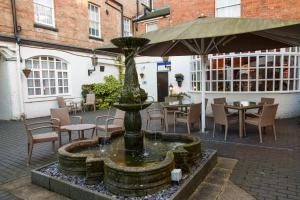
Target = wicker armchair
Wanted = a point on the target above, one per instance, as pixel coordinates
(191, 118)
(49, 136)
(155, 113)
(112, 123)
(63, 104)
(222, 118)
(90, 101)
(265, 119)
(60, 117)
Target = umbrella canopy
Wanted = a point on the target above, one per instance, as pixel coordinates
(219, 35)
(205, 36)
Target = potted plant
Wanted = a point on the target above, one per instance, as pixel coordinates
(179, 78)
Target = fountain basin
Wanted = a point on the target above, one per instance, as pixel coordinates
(124, 175)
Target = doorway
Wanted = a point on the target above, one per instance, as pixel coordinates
(162, 86)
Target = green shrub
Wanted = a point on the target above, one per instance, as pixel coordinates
(106, 93)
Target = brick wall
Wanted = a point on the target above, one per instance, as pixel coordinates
(185, 10)
(71, 20)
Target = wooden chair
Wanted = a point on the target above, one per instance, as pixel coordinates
(63, 104)
(191, 118)
(222, 118)
(112, 123)
(155, 113)
(267, 118)
(60, 117)
(90, 101)
(49, 136)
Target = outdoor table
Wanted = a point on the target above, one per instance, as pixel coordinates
(75, 104)
(242, 106)
(172, 106)
(80, 128)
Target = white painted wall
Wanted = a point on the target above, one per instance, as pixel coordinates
(78, 73)
(5, 96)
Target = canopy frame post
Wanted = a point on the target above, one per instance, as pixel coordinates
(204, 61)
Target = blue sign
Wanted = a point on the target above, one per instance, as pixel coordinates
(163, 66)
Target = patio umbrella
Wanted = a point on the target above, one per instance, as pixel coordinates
(207, 35)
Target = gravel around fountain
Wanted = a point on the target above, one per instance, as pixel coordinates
(53, 171)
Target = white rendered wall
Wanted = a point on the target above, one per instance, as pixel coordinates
(78, 73)
(5, 96)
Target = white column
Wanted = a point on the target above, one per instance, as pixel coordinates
(204, 60)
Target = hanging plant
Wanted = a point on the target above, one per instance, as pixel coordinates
(142, 75)
(26, 72)
(179, 78)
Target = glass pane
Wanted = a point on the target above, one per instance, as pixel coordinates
(244, 62)
(46, 91)
(60, 90)
(236, 86)
(284, 85)
(252, 61)
(66, 89)
(64, 66)
(270, 73)
(297, 85)
(214, 75)
(292, 61)
(45, 74)
(277, 85)
(236, 62)
(207, 86)
(227, 86)
(52, 82)
(44, 65)
(65, 75)
(236, 74)
(291, 85)
(261, 73)
(53, 90)
(29, 82)
(38, 91)
(65, 82)
(59, 74)
(28, 64)
(270, 61)
(52, 74)
(214, 86)
(30, 91)
(58, 65)
(220, 86)
(45, 82)
(261, 85)
(244, 74)
(60, 82)
(36, 74)
(253, 86)
(277, 73)
(51, 65)
(292, 70)
(269, 85)
(244, 85)
(37, 83)
(262, 61)
(252, 74)
(36, 64)
(277, 61)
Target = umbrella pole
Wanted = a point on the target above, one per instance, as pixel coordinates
(204, 60)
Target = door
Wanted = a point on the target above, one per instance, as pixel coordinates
(162, 86)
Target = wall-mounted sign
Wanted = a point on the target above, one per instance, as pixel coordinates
(164, 66)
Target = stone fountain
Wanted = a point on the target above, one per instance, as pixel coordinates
(134, 162)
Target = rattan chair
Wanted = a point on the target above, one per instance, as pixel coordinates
(265, 119)
(222, 118)
(63, 104)
(191, 118)
(155, 113)
(112, 123)
(60, 117)
(263, 101)
(90, 101)
(49, 136)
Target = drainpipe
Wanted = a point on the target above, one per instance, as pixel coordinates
(122, 14)
(17, 29)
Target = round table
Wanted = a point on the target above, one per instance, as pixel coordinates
(80, 128)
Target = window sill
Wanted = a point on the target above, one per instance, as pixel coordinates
(96, 38)
(50, 28)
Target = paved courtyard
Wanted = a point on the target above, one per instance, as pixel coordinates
(267, 171)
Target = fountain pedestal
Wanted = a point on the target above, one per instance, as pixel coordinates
(132, 96)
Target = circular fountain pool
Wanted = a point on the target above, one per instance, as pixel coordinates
(127, 173)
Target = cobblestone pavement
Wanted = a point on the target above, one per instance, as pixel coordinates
(267, 171)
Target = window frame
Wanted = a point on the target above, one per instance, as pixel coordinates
(286, 57)
(41, 79)
(53, 25)
(148, 23)
(98, 22)
(227, 6)
(129, 26)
